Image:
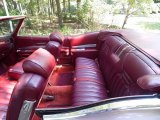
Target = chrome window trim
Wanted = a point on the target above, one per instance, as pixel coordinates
(84, 46)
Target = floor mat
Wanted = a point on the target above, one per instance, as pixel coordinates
(62, 96)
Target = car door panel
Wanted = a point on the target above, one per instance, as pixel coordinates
(89, 38)
(26, 45)
(84, 45)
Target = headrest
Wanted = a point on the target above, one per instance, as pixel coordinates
(53, 43)
(54, 48)
(40, 62)
(56, 36)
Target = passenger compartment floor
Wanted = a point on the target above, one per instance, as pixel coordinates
(62, 96)
(60, 87)
(63, 75)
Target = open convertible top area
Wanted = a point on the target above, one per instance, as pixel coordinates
(68, 73)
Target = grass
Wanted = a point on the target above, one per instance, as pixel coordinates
(150, 25)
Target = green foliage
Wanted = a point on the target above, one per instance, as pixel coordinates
(2, 12)
(32, 7)
(28, 23)
(137, 4)
(150, 25)
(85, 16)
(156, 1)
(66, 30)
(132, 2)
(83, 12)
(14, 12)
(109, 1)
(70, 14)
(135, 7)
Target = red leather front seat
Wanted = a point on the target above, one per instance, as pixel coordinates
(53, 46)
(29, 89)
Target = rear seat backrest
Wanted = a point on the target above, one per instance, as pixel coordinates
(122, 65)
(132, 65)
(108, 53)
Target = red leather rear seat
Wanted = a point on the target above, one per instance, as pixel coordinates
(118, 69)
(91, 77)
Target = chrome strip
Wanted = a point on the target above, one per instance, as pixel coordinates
(41, 43)
(26, 110)
(123, 50)
(119, 105)
(84, 46)
(25, 51)
(64, 47)
(80, 49)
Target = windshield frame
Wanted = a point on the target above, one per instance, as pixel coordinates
(19, 24)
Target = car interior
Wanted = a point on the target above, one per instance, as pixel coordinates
(59, 71)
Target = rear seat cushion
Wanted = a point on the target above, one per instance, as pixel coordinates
(87, 92)
(89, 85)
(82, 62)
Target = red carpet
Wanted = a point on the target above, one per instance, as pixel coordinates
(63, 75)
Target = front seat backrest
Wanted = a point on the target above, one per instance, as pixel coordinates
(29, 89)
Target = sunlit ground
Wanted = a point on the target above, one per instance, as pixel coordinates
(148, 23)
